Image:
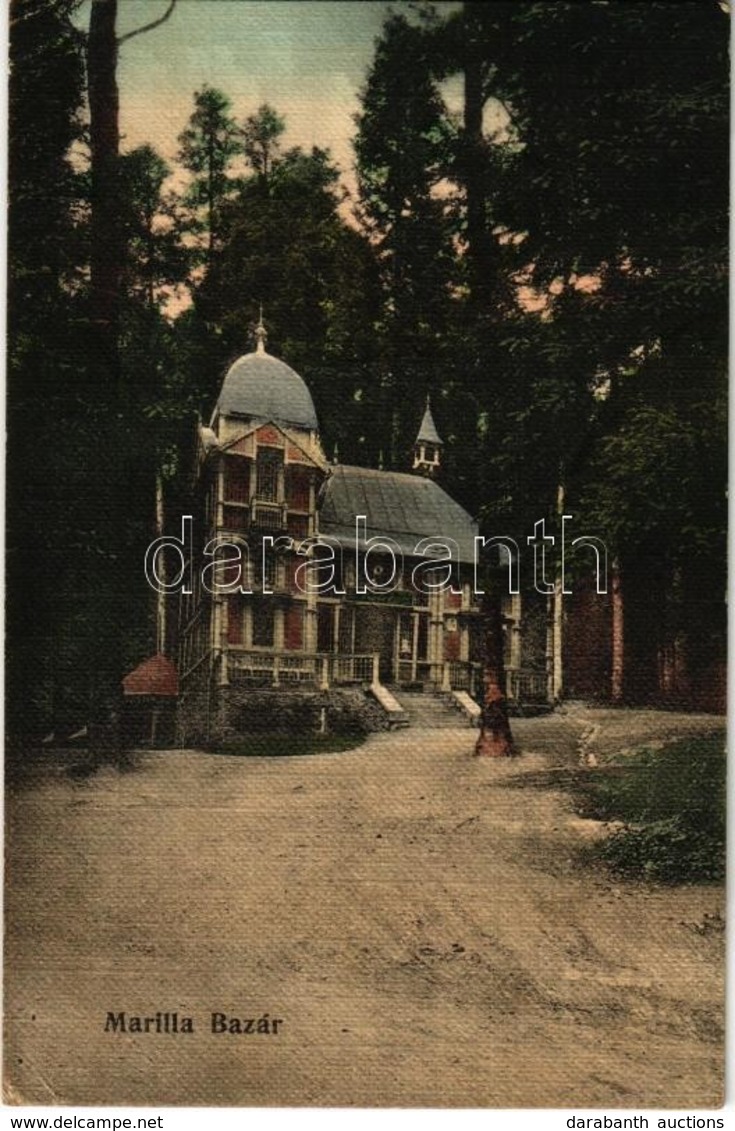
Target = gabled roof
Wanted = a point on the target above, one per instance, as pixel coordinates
(427, 432)
(406, 507)
(293, 437)
(155, 676)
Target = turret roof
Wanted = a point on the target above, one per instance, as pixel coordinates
(427, 432)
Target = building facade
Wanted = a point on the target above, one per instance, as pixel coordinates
(310, 574)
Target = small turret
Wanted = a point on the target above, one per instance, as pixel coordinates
(428, 446)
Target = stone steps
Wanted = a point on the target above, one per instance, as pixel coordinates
(428, 712)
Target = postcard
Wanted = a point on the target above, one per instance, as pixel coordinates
(366, 523)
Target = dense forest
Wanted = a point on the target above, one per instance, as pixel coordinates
(549, 263)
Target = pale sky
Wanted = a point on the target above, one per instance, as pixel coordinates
(308, 58)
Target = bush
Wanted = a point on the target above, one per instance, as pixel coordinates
(673, 804)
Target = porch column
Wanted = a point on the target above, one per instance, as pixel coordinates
(220, 496)
(324, 673)
(436, 637)
(550, 648)
(464, 642)
(414, 646)
(220, 635)
(312, 526)
(311, 635)
(515, 628)
(278, 629)
(396, 646)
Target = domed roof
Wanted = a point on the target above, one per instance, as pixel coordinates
(264, 387)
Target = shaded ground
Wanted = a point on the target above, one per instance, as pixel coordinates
(418, 918)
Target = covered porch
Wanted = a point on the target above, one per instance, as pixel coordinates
(324, 670)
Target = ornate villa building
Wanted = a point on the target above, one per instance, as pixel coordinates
(331, 606)
(263, 481)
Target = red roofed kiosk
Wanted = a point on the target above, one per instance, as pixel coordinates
(150, 692)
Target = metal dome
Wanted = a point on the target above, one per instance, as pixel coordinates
(261, 386)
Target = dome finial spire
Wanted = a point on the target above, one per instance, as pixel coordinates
(261, 334)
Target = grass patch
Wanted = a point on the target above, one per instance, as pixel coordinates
(672, 803)
(280, 745)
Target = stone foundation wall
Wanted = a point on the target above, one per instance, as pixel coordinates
(235, 710)
(351, 710)
(192, 721)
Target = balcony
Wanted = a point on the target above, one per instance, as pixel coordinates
(267, 515)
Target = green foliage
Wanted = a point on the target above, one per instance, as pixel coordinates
(45, 95)
(208, 145)
(622, 176)
(629, 496)
(603, 188)
(82, 450)
(403, 148)
(44, 99)
(261, 134)
(403, 139)
(611, 160)
(673, 804)
(640, 93)
(289, 249)
(152, 227)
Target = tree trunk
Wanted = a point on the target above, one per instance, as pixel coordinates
(558, 612)
(480, 249)
(210, 200)
(106, 243)
(618, 638)
(495, 739)
(104, 399)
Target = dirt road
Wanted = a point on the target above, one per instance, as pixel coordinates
(416, 919)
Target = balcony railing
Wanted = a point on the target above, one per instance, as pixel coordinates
(526, 686)
(521, 686)
(319, 669)
(323, 670)
(462, 675)
(268, 515)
